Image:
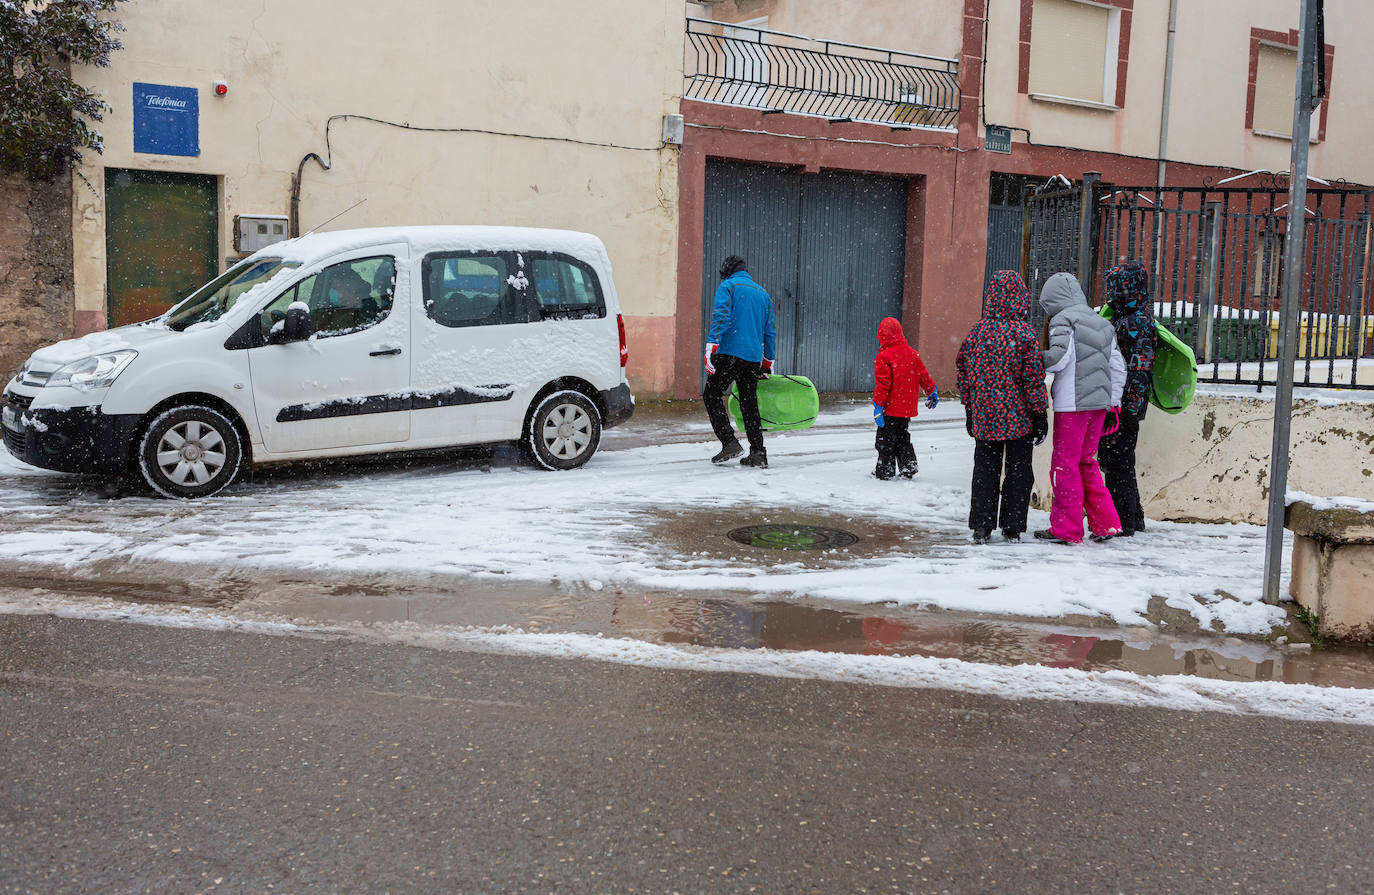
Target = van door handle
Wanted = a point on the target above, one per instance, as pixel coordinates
(383, 351)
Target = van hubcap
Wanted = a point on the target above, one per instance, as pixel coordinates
(191, 453)
(567, 431)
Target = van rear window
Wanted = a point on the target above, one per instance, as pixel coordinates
(566, 287)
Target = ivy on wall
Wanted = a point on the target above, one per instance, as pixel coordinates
(46, 118)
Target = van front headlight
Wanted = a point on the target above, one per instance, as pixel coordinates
(97, 371)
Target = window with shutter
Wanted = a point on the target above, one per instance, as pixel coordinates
(1274, 78)
(1069, 50)
(1273, 71)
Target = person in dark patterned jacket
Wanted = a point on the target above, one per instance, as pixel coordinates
(1002, 388)
(1128, 293)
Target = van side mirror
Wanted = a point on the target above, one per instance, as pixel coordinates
(295, 326)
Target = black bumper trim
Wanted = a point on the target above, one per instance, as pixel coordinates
(76, 439)
(619, 405)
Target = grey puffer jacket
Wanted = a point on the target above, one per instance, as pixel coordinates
(1089, 372)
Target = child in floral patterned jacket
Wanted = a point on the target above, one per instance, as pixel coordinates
(1002, 388)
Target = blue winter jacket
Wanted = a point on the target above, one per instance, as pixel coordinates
(742, 321)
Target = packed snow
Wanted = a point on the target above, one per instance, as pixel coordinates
(604, 524)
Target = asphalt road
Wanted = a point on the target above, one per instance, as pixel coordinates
(138, 759)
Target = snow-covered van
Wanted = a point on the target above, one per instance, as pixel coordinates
(332, 344)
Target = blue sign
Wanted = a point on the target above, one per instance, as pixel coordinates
(166, 119)
(997, 139)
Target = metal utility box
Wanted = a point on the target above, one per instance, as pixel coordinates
(258, 231)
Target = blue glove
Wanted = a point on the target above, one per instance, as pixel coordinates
(933, 399)
(878, 414)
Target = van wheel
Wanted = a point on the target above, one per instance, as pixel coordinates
(190, 451)
(563, 431)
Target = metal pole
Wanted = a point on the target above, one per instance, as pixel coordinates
(1211, 269)
(1304, 94)
(1087, 212)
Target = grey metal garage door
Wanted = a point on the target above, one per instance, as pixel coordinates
(830, 250)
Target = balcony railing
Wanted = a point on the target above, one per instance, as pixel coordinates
(770, 70)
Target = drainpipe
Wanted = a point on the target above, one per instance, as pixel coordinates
(1164, 127)
(1168, 87)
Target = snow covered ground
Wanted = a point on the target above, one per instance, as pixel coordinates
(649, 517)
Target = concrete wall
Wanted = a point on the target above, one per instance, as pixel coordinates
(1211, 462)
(521, 89)
(35, 266)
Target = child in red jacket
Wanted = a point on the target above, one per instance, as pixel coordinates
(898, 377)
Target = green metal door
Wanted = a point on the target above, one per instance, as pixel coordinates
(161, 240)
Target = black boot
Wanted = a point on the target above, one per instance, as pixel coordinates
(981, 535)
(757, 458)
(728, 452)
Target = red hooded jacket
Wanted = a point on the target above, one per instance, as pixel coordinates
(898, 373)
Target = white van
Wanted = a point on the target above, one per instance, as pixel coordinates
(332, 344)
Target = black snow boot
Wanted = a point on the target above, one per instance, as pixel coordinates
(757, 458)
(981, 535)
(910, 469)
(728, 452)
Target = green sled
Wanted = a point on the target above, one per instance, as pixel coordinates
(1175, 372)
(785, 403)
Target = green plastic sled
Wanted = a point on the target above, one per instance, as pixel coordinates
(1175, 371)
(785, 403)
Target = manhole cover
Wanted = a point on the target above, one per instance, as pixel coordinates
(792, 537)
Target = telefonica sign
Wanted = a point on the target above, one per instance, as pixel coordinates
(167, 102)
(166, 119)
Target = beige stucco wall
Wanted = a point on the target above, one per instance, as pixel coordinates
(1210, 74)
(1211, 462)
(1211, 62)
(539, 68)
(926, 27)
(1134, 130)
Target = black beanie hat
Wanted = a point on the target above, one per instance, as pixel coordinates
(733, 264)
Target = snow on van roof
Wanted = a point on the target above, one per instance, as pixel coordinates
(423, 239)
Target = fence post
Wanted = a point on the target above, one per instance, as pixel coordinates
(1211, 266)
(1087, 215)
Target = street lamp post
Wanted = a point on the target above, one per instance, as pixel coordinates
(1306, 97)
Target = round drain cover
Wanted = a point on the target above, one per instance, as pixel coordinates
(792, 537)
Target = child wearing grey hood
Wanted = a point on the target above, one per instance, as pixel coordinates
(1089, 375)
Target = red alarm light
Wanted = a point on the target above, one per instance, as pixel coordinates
(221, 88)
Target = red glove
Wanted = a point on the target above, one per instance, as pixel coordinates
(706, 361)
(767, 368)
(1110, 428)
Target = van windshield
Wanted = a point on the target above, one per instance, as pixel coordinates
(213, 300)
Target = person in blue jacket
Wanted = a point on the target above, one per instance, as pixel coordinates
(739, 349)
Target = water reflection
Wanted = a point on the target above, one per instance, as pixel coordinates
(796, 626)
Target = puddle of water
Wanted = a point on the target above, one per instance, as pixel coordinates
(796, 626)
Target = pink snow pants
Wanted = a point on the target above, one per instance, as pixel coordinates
(1076, 479)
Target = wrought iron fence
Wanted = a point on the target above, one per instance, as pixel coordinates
(1216, 255)
(1055, 237)
(774, 71)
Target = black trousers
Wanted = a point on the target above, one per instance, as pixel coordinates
(895, 452)
(745, 375)
(1116, 456)
(1001, 500)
